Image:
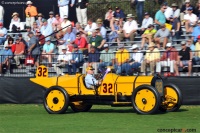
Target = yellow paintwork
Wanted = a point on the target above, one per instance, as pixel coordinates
(171, 97)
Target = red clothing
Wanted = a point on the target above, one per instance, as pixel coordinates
(12, 47)
(41, 39)
(19, 47)
(82, 43)
(173, 54)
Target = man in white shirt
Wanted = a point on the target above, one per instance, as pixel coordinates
(91, 26)
(63, 59)
(168, 11)
(51, 18)
(190, 20)
(146, 22)
(1, 13)
(176, 11)
(129, 29)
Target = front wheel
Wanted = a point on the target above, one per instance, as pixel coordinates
(80, 106)
(146, 99)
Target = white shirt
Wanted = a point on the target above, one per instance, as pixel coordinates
(50, 20)
(176, 13)
(65, 24)
(141, 0)
(129, 26)
(1, 13)
(138, 56)
(168, 12)
(192, 17)
(13, 22)
(65, 56)
(90, 29)
(147, 22)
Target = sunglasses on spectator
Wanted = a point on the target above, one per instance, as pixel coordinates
(187, 3)
(57, 16)
(77, 36)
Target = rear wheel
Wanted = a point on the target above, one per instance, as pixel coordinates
(146, 99)
(80, 106)
(56, 100)
(172, 98)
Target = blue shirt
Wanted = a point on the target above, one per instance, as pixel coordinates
(77, 56)
(160, 17)
(65, 2)
(103, 32)
(119, 14)
(90, 81)
(69, 37)
(5, 54)
(3, 31)
(46, 31)
(196, 32)
(94, 57)
(48, 47)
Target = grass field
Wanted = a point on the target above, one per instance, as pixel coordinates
(101, 119)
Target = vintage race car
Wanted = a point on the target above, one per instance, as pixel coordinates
(146, 94)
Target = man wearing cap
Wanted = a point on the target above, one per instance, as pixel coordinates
(136, 59)
(51, 17)
(31, 13)
(40, 19)
(15, 22)
(3, 34)
(90, 80)
(102, 29)
(121, 59)
(176, 11)
(196, 32)
(162, 36)
(5, 58)
(168, 11)
(63, 6)
(168, 59)
(81, 11)
(76, 61)
(106, 58)
(190, 20)
(48, 50)
(19, 52)
(65, 24)
(40, 37)
(151, 58)
(129, 29)
(46, 29)
(1, 13)
(146, 21)
(63, 60)
(147, 36)
(184, 59)
(160, 16)
(119, 14)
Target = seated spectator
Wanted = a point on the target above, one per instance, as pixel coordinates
(46, 29)
(21, 39)
(102, 29)
(108, 17)
(59, 32)
(7, 38)
(76, 61)
(40, 19)
(51, 18)
(146, 22)
(77, 28)
(116, 29)
(160, 16)
(63, 60)
(48, 51)
(196, 32)
(15, 23)
(119, 14)
(121, 60)
(168, 11)
(168, 59)
(190, 20)
(106, 58)
(197, 10)
(34, 27)
(184, 59)
(19, 52)
(176, 25)
(191, 45)
(162, 36)
(80, 41)
(129, 29)
(3, 34)
(151, 58)
(96, 41)
(147, 36)
(91, 26)
(41, 38)
(6, 56)
(135, 60)
(93, 60)
(56, 21)
(176, 11)
(65, 24)
(196, 59)
(11, 44)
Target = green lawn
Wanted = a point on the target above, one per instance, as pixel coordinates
(101, 119)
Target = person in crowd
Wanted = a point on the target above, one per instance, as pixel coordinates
(48, 51)
(19, 52)
(59, 32)
(102, 29)
(197, 10)
(191, 45)
(15, 23)
(57, 21)
(176, 25)
(35, 27)
(119, 14)
(69, 38)
(90, 80)
(77, 28)
(190, 20)
(147, 36)
(108, 17)
(33, 48)
(63, 60)
(5, 60)
(3, 34)
(169, 59)
(65, 24)
(151, 58)
(116, 29)
(121, 59)
(168, 11)
(31, 13)
(90, 27)
(129, 29)
(196, 32)
(184, 59)
(41, 38)
(96, 41)
(22, 40)
(64, 7)
(160, 16)
(140, 10)
(46, 29)
(162, 36)
(136, 59)
(40, 19)
(146, 22)
(11, 44)
(51, 18)
(196, 59)
(106, 58)
(81, 11)
(80, 42)
(76, 61)
(1, 13)
(176, 11)
(6, 41)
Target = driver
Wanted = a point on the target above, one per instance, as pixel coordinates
(90, 81)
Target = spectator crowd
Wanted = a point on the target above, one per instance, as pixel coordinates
(88, 42)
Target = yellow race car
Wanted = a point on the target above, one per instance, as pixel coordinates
(146, 94)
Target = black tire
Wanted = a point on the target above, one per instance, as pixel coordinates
(56, 100)
(82, 107)
(172, 108)
(150, 98)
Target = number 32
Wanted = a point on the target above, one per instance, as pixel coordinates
(107, 88)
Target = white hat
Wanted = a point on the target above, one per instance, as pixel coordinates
(29, 2)
(63, 47)
(130, 16)
(105, 45)
(168, 44)
(134, 46)
(65, 16)
(187, 1)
